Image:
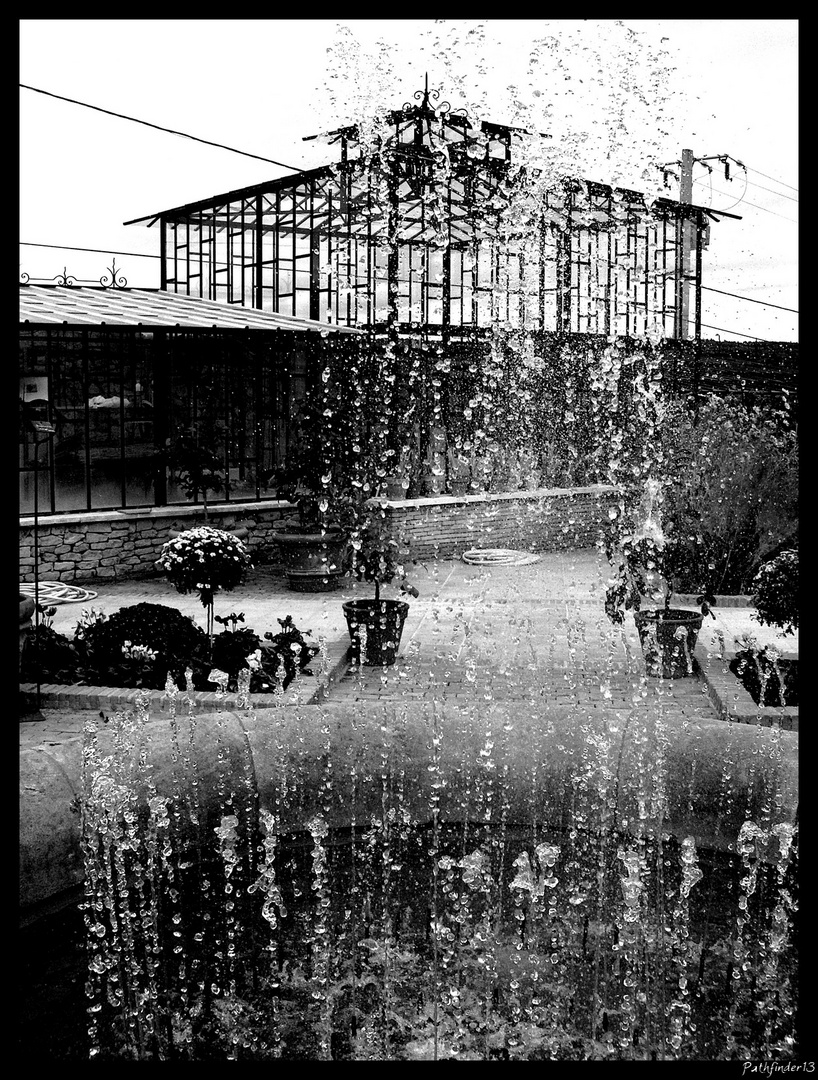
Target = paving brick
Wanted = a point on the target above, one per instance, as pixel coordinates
(470, 637)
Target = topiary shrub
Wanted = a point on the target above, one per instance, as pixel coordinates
(730, 494)
(206, 561)
(122, 646)
(377, 555)
(775, 592)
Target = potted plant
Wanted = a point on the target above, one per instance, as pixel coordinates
(459, 472)
(644, 567)
(27, 608)
(207, 561)
(770, 678)
(482, 470)
(376, 558)
(530, 474)
(313, 542)
(397, 480)
(500, 474)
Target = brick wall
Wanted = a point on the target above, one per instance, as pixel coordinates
(112, 546)
(549, 519)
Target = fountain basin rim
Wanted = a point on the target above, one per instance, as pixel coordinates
(298, 739)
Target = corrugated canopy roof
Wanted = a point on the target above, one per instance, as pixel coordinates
(147, 307)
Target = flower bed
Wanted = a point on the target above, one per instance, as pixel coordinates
(759, 684)
(730, 697)
(768, 681)
(153, 647)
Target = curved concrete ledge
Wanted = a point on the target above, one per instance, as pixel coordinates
(558, 764)
(94, 698)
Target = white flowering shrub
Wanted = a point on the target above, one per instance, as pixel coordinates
(205, 560)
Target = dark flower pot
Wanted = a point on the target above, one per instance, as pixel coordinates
(668, 639)
(313, 561)
(383, 620)
(27, 609)
(780, 681)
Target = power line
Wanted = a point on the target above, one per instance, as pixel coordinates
(158, 127)
(100, 251)
(778, 194)
(738, 333)
(750, 299)
(725, 159)
(710, 182)
(142, 255)
(773, 178)
(746, 202)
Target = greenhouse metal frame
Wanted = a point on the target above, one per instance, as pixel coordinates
(415, 237)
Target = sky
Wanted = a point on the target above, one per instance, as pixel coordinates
(725, 87)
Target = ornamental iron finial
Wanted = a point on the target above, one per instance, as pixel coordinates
(65, 279)
(423, 97)
(113, 282)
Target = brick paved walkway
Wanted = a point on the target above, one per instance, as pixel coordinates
(533, 634)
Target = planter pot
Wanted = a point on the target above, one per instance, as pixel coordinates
(458, 486)
(394, 488)
(313, 562)
(432, 485)
(383, 621)
(780, 681)
(668, 639)
(27, 609)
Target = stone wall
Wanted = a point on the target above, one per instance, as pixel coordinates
(112, 545)
(548, 519)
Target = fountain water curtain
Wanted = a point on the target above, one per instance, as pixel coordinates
(555, 864)
(423, 881)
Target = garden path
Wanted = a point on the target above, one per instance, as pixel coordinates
(531, 633)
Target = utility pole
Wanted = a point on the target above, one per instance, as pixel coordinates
(686, 239)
